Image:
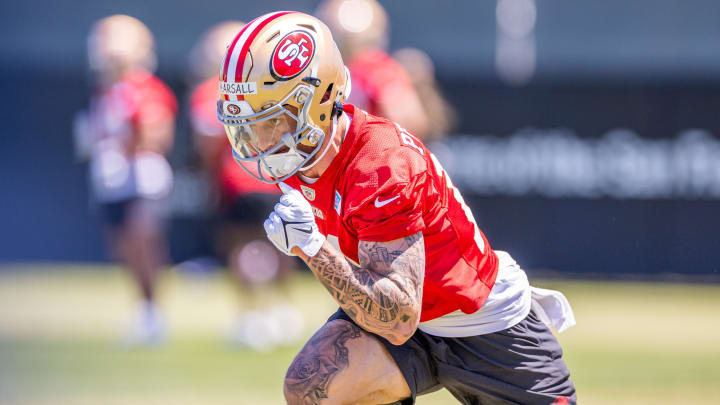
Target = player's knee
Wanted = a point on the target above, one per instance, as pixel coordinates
(301, 391)
(290, 392)
(298, 381)
(322, 366)
(308, 380)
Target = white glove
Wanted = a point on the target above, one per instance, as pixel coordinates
(292, 223)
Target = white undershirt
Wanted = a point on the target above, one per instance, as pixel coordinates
(508, 303)
(308, 180)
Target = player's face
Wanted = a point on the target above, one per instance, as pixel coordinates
(269, 133)
(272, 134)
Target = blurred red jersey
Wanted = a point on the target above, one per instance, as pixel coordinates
(376, 75)
(232, 180)
(384, 185)
(139, 97)
(117, 114)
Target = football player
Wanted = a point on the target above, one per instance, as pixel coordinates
(425, 302)
(240, 204)
(125, 135)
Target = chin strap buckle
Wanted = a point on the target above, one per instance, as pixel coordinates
(337, 109)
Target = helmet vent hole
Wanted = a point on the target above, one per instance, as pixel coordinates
(308, 26)
(326, 96)
(273, 36)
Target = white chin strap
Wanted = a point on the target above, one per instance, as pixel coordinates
(348, 84)
(327, 145)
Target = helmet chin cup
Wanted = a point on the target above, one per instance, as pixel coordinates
(280, 165)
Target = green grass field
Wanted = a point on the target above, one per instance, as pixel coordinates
(635, 343)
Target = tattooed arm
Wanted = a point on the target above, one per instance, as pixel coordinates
(384, 294)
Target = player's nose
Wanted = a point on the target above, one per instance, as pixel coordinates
(266, 141)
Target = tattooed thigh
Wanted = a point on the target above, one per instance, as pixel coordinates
(341, 363)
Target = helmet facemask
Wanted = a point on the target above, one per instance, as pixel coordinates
(271, 139)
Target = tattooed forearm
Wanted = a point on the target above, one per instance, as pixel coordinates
(384, 294)
(313, 369)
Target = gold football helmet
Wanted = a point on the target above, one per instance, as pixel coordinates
(119, 43)
(282, 84)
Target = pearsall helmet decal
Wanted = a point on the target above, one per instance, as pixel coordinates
(292, 55)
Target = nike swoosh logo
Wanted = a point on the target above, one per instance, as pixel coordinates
(379, 204)
(302, 230)
(286, 223)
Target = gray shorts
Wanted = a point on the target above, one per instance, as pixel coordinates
(519, 365)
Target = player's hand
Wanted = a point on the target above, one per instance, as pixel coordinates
(292, 223)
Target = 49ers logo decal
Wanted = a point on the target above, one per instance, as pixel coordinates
(292, 55)
(233, 109)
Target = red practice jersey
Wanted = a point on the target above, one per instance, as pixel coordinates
(384, 185)
(139, 97)
(376, 75)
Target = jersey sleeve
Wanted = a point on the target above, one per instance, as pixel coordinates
(387, 199)
(203, 112)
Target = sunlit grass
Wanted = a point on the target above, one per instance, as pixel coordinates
(60, 330)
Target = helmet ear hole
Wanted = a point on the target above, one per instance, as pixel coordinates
(326, 97)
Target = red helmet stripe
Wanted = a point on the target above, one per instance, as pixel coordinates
(250, 39)
(231, 48)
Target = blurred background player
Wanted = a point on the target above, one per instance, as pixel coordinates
(360, 29)
(125, 135)
(238, 206)
(400, 86)
(441, 116)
